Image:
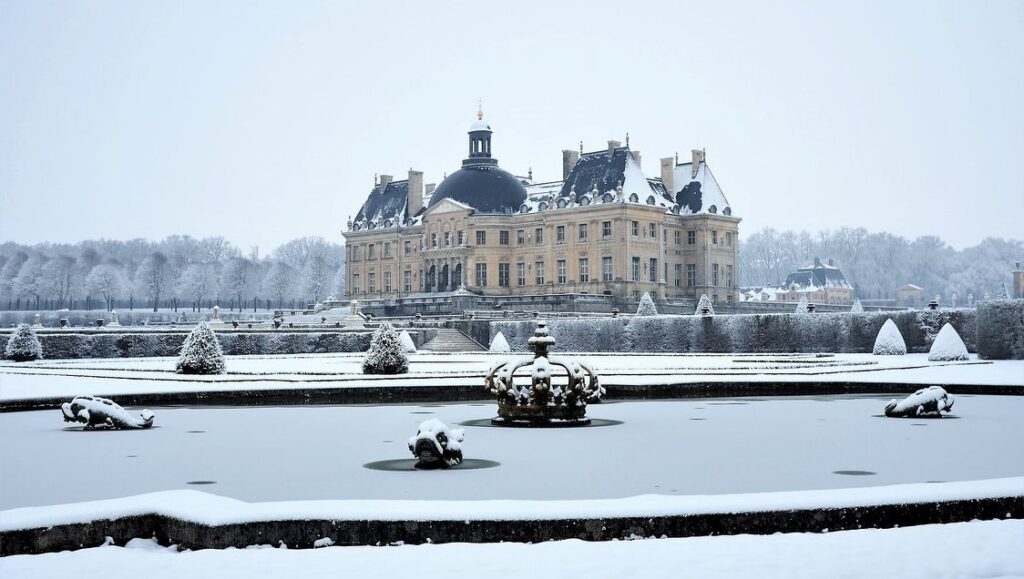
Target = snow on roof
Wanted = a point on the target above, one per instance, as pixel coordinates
(385, 207)
(699, 193)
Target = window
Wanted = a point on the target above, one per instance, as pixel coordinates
(355, 283)
(407, 247)
(371, 251)
(407, 281)
(584, 270)
(653, 270)
(355, 253)
(538, 270)
(372, 277)
(606, 230)
(635, 270)
(481, 271)
(503, 238)
(714, 274)
(561, 271)
(606, 268)
(538, 236)
(691, 275)
(728, 239)
(560, 234)
(387, 281)
(481, 238)
(520, 274)
(728, 298)
(387, 249)
(521, 237)
(728, 276)
(583, 231)
(714, 237)
(714, 298)
(679, 275)
(652, 230)
(678, 237)
(691, 238)
(634, 228)
(502, 275)
(433, 240)
(460, 237)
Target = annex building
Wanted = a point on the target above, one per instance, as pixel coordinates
(605, 229)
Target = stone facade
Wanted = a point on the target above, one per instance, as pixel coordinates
(575, 236)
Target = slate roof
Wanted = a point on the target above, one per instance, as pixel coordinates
(484, 187)
(605, 172)
(384, 204)
(817, 276)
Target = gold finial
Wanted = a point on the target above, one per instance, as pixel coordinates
(479, 109)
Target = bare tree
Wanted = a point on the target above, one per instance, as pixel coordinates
(154, 276)
(107, 280)
(59, 278)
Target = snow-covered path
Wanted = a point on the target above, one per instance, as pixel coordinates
(669, 447)
(976, 549)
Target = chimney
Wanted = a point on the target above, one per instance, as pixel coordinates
(430, 188)
(668, 170)
(697, 156)
(612, 145)
(384, 181)
(569, 159)
(831, 262)
(415, 192)
(636, 157)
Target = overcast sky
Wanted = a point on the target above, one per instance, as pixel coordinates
(266, 121)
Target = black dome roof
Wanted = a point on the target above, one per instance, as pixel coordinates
(484, 187)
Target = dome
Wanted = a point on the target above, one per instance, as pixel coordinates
(479, 125)
(484, 187)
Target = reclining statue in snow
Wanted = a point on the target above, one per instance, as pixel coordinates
(436, 446)
(931, 401)
(101, 413)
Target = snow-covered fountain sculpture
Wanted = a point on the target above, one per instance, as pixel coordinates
(542, 403)
(926, 402)
(102, 413)
(437, 446)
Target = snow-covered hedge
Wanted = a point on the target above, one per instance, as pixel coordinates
(1000, 330)
(65, 346)
(23, 345)
(817, 332)
(137, 317)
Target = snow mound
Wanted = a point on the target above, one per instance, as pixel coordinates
(408, 346)
(646, 307)
(500, 344)
(385, 355)
(931, 401)
(856, 308)
(947, 346)
(201, 353)
(23, 345)
(889, 341)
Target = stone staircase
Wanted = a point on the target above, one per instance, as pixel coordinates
(451, 340)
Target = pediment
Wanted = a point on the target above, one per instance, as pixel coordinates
(448, 206)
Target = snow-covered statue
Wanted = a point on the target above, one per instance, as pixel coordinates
(926, 402)
(450, 239)
(114, 322)
(102, 413)
(437, 446)
(704, 306)
(541, 402)
(215, 316)
(318, 307)
(889, 341)
(947, 346)
(37, 321)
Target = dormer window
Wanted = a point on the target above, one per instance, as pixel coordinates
(713, 209)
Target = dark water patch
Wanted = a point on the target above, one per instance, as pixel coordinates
(195, 431)
(487, 423)
(201, 482)
(854, 472)
(421, 412)
(131, 456)
(698, 419)
(409, 465)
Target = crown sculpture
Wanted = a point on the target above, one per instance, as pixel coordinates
(541, 403)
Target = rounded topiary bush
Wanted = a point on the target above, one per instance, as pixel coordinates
(947, 346)
(889, 341)
(23, 345)
(201, 353)
(499, 343)
(646, 307)
(407, 344)
(386, 355)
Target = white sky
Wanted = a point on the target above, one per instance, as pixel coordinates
(265, 121)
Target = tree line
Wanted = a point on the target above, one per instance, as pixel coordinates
(177, 272)
(877, 264)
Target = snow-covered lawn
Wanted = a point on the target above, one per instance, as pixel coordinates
(110, 377)
(670, 447)
(976, 549)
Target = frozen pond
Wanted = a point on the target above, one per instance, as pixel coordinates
(704, 446)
